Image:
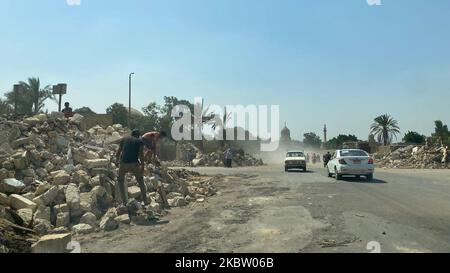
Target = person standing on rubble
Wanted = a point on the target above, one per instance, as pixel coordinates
(151, 140)
(131, 160)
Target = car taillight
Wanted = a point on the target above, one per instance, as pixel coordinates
(342, 161)
(370, 160)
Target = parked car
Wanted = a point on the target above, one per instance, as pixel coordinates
(295, 160)
(353, 162)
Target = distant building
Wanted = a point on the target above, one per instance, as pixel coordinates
(285, 138)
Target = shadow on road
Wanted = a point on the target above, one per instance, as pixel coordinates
(299, 171)
(362, 180)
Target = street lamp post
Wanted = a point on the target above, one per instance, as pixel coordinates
(129, 102)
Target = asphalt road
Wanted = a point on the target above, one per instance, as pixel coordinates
(264, 209)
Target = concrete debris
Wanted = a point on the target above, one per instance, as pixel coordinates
(214, 159)
(11, 185)
(56, 178)
(54, 243)
(83, 229)
(415, 157)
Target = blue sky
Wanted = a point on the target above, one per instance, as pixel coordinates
(323, 61)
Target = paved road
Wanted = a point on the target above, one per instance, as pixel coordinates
(266, 210)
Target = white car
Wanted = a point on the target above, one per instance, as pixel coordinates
(351, 162)
(295, 160)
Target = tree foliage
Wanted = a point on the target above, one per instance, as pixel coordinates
(385, 129)
(414, 138)
(119, 114)
(312, 140)
(337, 142)
(441, 133)
(31, 100)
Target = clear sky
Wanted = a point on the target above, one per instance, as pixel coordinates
(340, 62)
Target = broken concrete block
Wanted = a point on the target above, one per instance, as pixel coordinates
(95, 181)
(62, 219)
(88, 201)
(99, 191)
(42, 227)
(80, 177)
(19, 202)
(42, 188)
(134, 192)
(54, 243)
(73, 197)
(4, 200)
(43, 213)
(83, 229)
(89, 218)
(11, 186)
(20, 160)
(26, 215)
(108, 223)
(21, 142)
(177, 202)
(47, 197)
(61, 208)
(123, 219)
(97, 163)
(60, 177)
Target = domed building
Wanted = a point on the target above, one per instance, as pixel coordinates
(285, 137)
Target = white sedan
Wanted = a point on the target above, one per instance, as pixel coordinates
(351, 162)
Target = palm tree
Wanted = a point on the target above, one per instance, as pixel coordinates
(38, 95)
(31, 99)
(385, 128)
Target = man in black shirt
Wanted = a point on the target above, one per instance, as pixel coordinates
(131, 160)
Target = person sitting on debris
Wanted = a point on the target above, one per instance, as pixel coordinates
(131, 160)
(68, 113)
(151, 141)
(228, 158)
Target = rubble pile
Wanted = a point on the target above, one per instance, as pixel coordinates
(414, 157)
(215, 159)
(58, 179)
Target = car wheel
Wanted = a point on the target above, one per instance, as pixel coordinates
(304, 170)
(329, 174)
(369, 177)
(338, 176)
(286, 169)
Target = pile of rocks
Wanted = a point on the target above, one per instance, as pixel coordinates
(57, 179)
(214, 159)
(413, 157)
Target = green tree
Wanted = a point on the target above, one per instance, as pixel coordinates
(119, 114)
(5, 108)
(441, 132)
(84, 111)
(414, 138)
(385, 129)
(32, 98)
(337, 142)
(312, 140)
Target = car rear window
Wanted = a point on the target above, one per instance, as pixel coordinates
(296, 154)
(353, 153)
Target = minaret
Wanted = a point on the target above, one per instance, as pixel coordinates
(325, 134)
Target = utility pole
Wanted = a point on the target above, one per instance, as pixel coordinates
(129, 97)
